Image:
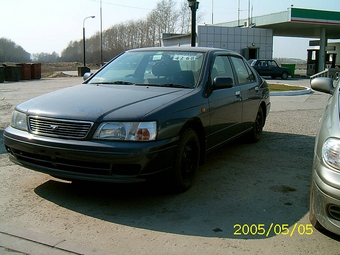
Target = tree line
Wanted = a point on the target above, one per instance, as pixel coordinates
(11, 52)
(166, 17)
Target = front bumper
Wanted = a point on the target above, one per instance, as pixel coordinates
(92, 160)
(326, 197)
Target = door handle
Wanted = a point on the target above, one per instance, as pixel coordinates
(238, 95)
(257, 89)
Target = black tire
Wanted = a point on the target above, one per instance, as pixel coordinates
(284, 76)
(256, 133)
(186, 161)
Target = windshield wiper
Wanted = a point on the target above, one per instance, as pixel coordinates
(172, 85)
(114, 82)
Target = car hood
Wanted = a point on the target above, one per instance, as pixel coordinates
(102, 102)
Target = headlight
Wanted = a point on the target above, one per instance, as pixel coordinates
(331, 152)
(128, 131)
(19, 120)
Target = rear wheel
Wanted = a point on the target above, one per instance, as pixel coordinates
(256, 133)
(284, 76)
(186, 161)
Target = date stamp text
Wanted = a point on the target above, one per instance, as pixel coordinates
(276, 229)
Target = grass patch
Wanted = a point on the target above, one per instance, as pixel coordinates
(283, 87)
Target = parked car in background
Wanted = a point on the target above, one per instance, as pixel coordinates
(269, 68)
(146, 112)
(325, 187)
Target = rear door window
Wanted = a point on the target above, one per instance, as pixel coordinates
(243, 72)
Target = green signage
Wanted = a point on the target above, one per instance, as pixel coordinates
(315, 15)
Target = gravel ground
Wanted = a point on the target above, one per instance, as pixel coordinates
(242, 189)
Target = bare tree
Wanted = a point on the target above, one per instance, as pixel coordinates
(184, 18)
(164, 18)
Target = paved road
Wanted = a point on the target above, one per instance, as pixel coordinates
(243, 198)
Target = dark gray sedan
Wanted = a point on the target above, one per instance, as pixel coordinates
(325, 188)
(146, 112)
(269, 67)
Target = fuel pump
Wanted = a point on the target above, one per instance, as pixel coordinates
(313, 60)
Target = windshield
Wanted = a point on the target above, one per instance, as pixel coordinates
(156, 68)
(252, 62)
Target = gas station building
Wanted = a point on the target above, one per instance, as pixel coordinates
(253, 37)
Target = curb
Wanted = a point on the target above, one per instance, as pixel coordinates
(293, 92)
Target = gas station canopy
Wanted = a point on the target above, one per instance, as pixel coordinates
(296, 22)
(304, 23)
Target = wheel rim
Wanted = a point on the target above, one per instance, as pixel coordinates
(189, 161)
(258, 123)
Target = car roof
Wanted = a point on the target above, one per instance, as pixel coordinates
(185, 48)
(261, 59)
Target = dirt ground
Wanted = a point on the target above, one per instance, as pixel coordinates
(241, 190)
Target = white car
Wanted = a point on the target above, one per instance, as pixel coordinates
(325, 188)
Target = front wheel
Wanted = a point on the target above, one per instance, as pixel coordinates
(186, 161)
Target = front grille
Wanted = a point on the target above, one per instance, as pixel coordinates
(59, 128)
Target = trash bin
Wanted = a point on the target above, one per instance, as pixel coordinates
(36, 71)
(12, 73)
(291, 67)
(82, 70)
(2, 74)
(25, 71)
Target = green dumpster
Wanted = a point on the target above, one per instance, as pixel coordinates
(291, 67)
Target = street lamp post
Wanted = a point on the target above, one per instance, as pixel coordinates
(101, 34)
(92, 17)
(193, 4)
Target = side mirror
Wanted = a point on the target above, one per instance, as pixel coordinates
(223, 83)
(87, 75)
(322, 84)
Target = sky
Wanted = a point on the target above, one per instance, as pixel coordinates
(49, 25)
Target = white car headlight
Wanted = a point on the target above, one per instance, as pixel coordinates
(331, 152)
(19, 120)
(128, 131)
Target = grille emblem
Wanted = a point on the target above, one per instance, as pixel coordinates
(54, 127)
